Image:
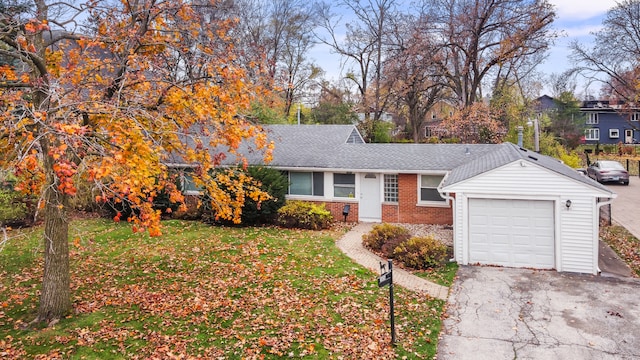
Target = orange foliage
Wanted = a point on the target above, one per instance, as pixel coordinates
(477, 123)
(114, 108)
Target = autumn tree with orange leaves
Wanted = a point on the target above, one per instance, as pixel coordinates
(107, 101)
(477, 123)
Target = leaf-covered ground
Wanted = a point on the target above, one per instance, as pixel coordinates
(624, 243)
(209, 292)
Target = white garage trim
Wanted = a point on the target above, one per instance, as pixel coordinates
(463, 201)
(511, 232)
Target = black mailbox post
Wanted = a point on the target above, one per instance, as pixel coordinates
(386, 278)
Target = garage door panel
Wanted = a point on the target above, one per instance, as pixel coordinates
(539, 221)
(520, 240)
(499, 221)
(516, 233)
(500, 257)
(520, 221)
(499, 239)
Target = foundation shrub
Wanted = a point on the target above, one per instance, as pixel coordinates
(385, 238)
(304, 215)
(421, 253)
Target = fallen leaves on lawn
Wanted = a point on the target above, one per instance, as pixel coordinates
(623, 243)
(230, 293)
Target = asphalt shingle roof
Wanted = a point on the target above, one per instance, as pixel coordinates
(328, 147)
(506, 153)
(325, 147)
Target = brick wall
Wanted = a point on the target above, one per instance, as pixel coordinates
(390, 213)
(405, 211)
(409, 212)
(337, 207)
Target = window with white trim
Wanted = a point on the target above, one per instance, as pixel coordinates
(344, 185)
(391, 188)
(427, 132)
(635, 116)
(306, 183)
(614, 133)
(188, 185)
(429, 188)
(592, 134)
(592, 119)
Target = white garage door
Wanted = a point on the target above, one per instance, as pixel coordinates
(514, 233)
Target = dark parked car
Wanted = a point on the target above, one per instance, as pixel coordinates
(608, 171)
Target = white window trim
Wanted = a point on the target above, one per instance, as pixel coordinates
(593, 118)
(334, 185)
(635, 116)
(588, 132)
(614, 133)
(444, 203)
(428, 132)
(310, 197)
(183, 182)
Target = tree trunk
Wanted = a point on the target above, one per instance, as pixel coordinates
(55, 298)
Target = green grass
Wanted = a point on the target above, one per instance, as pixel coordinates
(442, 275)
(210, 292)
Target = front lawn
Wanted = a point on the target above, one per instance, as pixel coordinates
(209, 292)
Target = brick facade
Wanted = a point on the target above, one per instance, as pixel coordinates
(407, 210)
(336, 209)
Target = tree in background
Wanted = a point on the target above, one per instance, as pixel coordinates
(411, 74)
(566, 120)
(109, 102)
(614, 58)
(365, 47)
(334, 106)
(279, 35)
(477, 123)
(487, 37)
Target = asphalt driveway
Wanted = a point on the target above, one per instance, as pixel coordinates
(502, 313)
(624, 208)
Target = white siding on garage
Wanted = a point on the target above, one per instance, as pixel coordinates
(575, 228)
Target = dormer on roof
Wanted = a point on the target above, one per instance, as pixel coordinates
(355, 137)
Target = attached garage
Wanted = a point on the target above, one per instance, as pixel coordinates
(513, 233)
(515, 208)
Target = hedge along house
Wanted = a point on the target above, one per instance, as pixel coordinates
(508, 206)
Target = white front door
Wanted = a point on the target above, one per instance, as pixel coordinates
(370, 207)
(628, 136)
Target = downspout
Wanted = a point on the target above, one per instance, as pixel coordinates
(598, 206)
(446, 196)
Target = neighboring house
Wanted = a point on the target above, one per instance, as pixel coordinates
(508, 206)
(606, 123)
(544, 103)
(384, 116)
(433, 127)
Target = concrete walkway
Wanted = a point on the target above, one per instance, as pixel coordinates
(351, 245)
